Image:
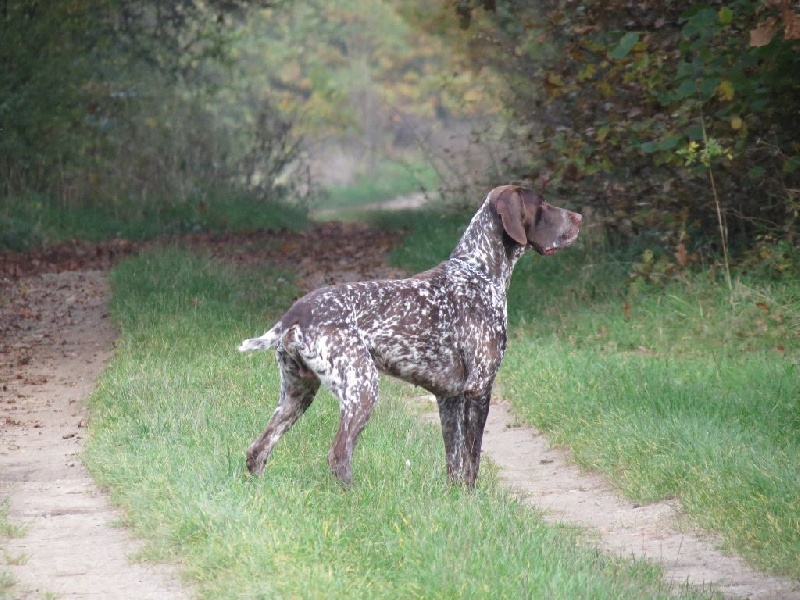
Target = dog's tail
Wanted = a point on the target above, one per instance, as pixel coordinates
(265, 342)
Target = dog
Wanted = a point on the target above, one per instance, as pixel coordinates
(443, 330)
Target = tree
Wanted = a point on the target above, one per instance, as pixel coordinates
(118, 101)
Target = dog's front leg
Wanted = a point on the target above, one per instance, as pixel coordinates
(463, 420)
(476, 410)
(451, 414)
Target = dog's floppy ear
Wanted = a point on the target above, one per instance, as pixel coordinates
(510, 206)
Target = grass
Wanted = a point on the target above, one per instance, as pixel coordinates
(683, 390)
(33, 220)
(720, 435)
(385, 181)
(175, 410)
(9, 529)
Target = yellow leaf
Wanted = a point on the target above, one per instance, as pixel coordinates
(586, 72)
(725, 90)
(736, 122)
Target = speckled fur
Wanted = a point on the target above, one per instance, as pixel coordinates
(443, 329)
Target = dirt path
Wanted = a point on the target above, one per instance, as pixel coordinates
(657, 531)
(56, 338)
(545, 478)
(409, 201)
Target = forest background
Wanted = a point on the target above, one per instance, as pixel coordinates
(673, 124)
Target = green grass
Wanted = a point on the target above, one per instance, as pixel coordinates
(685, 390)
(385, 181)
(8, 529)
(33, 220)
(719, 434)
(175, 410)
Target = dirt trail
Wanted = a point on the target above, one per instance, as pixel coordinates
(546, 479)
(55, 339)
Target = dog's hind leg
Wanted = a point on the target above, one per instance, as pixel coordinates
(299, 385)
(357, 396)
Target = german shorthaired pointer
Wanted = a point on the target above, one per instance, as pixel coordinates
(443, 330)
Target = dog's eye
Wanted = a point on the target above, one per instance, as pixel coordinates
(538, 218)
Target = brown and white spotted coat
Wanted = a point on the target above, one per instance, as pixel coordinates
(443, 330)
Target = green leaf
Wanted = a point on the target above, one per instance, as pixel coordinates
(791, 165)
(707, 87)
(649, 147)
(669, 142)
(694, 132)
(725, 15)
(625, 45)
(687, 88)
(701, 23)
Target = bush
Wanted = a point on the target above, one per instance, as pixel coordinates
(610, 99)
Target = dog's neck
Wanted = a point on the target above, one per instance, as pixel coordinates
(479, 249)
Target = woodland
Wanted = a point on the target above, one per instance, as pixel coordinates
(185, 152)
(673, 123)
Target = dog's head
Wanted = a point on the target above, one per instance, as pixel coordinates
(532, 222)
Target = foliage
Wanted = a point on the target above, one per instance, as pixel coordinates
(605, 94)
(43, 61)
(387, 180)
(130, 103)
(177, 36)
